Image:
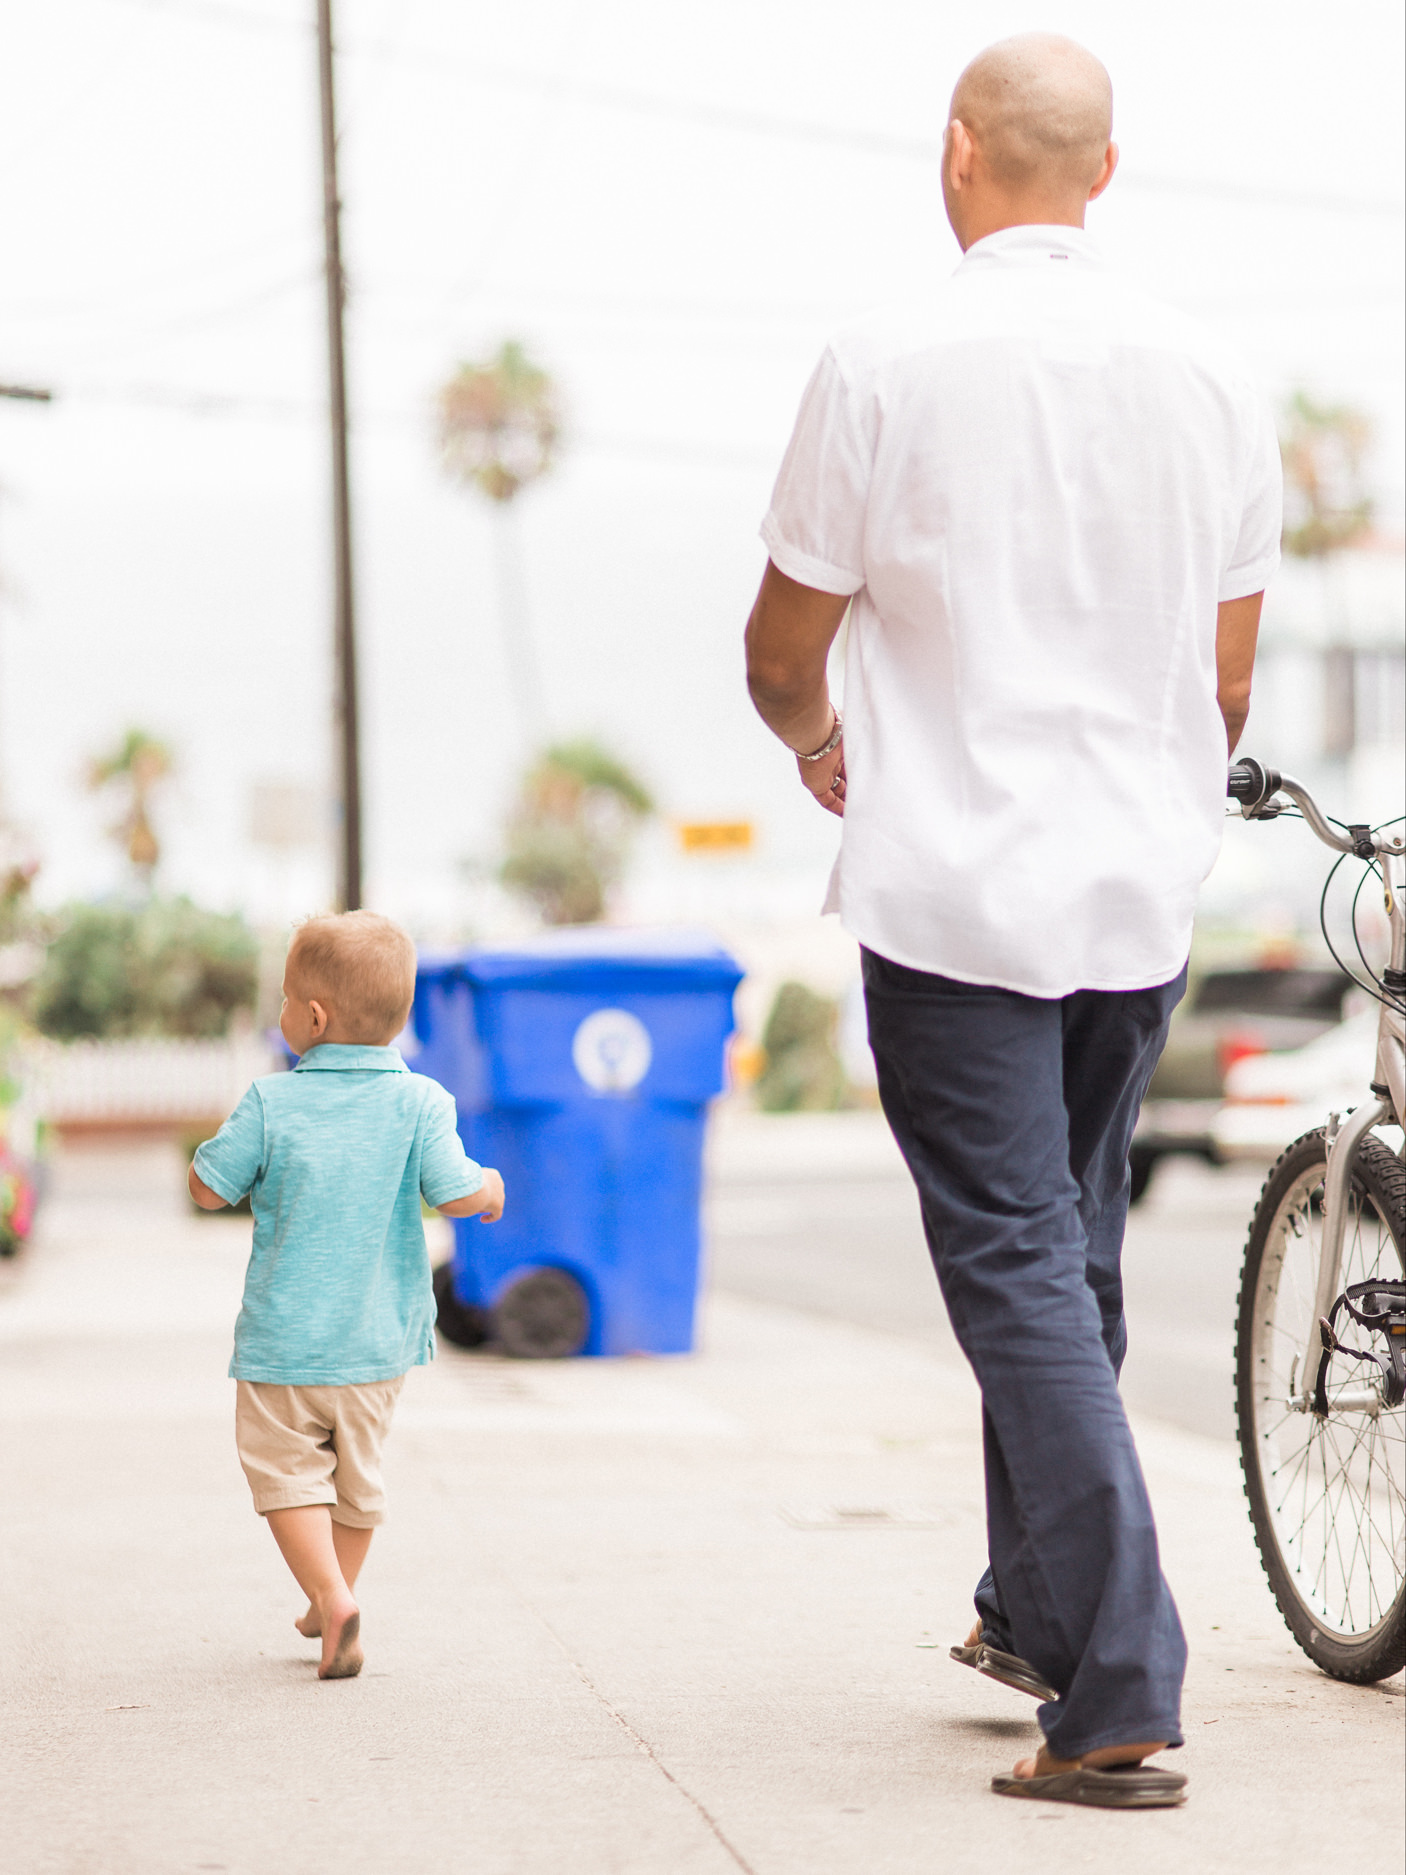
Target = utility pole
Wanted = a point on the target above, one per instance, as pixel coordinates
(344, 711)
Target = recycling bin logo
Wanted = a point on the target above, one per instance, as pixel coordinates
(612, 1051)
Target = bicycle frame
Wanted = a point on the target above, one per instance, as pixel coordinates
(1259, 791)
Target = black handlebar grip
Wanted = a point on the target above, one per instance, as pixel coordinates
(1250, 782)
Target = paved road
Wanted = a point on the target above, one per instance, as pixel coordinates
(817, 1211)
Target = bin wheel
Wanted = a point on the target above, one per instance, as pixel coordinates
(459, 1322)
(543, 1316)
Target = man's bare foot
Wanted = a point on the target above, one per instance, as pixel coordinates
(310, 1624)
(1043, 1765)
(1112, 1778)
(341, 1643)
(974, 1638)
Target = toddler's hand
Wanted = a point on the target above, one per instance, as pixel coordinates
(491, 1191)
(486, 1202)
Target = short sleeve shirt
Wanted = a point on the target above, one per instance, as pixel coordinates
(336, 1157)
(1037, 486)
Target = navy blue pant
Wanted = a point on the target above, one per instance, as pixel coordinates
(1015, 1114)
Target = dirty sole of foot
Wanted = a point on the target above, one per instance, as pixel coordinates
(346, 1659)
(1119, 1787)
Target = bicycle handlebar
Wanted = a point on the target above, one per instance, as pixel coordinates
(1254, 786)
(1251, 783)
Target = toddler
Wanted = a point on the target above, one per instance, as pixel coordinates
(336, 1157)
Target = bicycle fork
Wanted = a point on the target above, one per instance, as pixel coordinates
(1343, 1141)
(1337, 1190)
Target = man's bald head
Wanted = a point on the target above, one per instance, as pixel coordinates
(1040, 110)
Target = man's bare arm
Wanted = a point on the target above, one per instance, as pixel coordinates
(1237, 633)
(788, 641)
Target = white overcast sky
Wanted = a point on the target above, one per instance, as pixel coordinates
(672, 205)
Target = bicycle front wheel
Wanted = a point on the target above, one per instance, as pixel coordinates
(1326, 1495)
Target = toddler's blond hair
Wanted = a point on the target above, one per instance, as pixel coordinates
(361, 966)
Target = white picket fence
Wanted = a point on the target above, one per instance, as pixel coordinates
(146, 1082)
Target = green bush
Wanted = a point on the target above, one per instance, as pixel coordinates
(803, 1073)
(162, 968)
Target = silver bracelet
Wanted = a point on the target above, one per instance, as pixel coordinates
(829, 747)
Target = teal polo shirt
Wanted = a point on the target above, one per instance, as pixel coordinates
(336, 1157)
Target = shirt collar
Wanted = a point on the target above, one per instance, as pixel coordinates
(352, 1055)
(1035, 241)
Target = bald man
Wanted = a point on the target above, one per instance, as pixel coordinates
(1050, 507)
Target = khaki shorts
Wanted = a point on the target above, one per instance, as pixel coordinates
(316, 1445)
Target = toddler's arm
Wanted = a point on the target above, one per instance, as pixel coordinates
(486, 1202)
(233, 1158)
(207, 1200)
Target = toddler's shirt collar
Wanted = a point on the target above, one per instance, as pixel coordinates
(352, 1055)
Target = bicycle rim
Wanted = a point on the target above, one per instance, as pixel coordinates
(1330, 1515)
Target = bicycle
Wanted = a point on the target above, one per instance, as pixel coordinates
(1321, 1324)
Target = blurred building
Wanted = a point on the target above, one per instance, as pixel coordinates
(1330, 682)
(1329, 707)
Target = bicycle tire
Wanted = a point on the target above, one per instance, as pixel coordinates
(1341, 1593)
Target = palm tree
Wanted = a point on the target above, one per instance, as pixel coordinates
(569, 833)
(139, 764)
(1327, 509)
(499, 425)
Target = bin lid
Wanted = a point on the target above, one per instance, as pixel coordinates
(587, 956)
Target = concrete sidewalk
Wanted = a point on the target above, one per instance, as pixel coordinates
(645, 1616)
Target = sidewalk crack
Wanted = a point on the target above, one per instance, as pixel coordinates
(642, 1744)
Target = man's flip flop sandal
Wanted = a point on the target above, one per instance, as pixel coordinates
(1116, 1787)
(1009, 1669)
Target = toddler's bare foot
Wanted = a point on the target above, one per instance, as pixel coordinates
(341, 1643)
(310, 1624)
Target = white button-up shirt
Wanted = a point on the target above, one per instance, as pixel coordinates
(1038, 484)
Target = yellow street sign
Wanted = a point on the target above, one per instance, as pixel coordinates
(715, 836)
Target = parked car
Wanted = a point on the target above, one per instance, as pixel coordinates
(1272, 1099)
(1228, 1016)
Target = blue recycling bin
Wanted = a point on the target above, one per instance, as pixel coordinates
(582, 1064)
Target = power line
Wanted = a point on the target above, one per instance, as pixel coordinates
(200, 319)
(202, 403)
(195, 403)
(675, 111)
(432, 301)
(116, 293)
(218, 13)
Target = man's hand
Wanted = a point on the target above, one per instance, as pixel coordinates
(825, 779)
(788, 640)
(486, 1202)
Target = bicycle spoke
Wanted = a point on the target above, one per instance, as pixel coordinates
(1346, 1564)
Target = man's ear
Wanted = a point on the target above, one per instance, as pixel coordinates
(1105, 175)
(320, 1018)
(958, 154)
